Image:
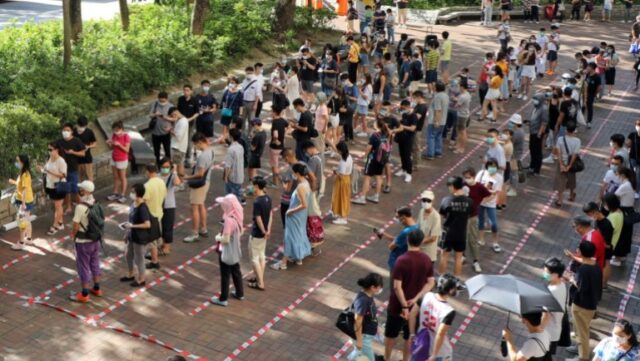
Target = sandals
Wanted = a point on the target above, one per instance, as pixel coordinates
(558, 204)
(255, 286)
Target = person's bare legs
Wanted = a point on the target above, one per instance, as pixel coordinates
(387, 174)
(606, 273)
(58, 212)
(195, 215)
(122, 173)
(494, 108)
(366, 185)
(203, 216)
(485, 108)
(378, 184)
(116, 179)
(444, 260)
(457, 268)
(389, 343)
(406, 350)
(462, 140)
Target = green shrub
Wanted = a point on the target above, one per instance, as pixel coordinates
(306, 18)
(23, 130)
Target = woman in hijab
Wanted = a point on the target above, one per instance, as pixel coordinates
(229, 249)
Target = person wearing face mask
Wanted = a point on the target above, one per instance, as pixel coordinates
(536, 347)
(207, 106)
(537, 128)
(329, 71)
(592, 89)
(88, 138)
(179, 139)
(307, 65)
(493, 181)
(23, 201)
(258, 70)
(379, 83)
(611, 181)
(507, 145)
(625, 193)
(495, 150)
(552, 321)
(398, 245)
(251, 93)
(622, 345)
(420, 110)
(137, 237)
(292, 90)
(412, 278)
(160, 132)
(119, 143)
(404, 135)
(436, 315)
(189, 107)
(366, 320)
(633, 144)
(73, 151)
(617, 146)
(430, 224)
(605, 227)
(477, 192)
(55, 171)
(528, 61)
(87, 241)
(232, 106)
(154, 196)
(566, 149)
(456, 209)
(169, 174)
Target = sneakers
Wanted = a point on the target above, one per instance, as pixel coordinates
(400, 173)
(203, 233)
(572, 349)
(152, 265)
(512, 192)
(18, 246)
(615, 262)
(481, 242)
(278, 266)
(386, 189)
(519, 96)
(408, 178)
(216, 301)
(524, 97)
(339, 221)
(114, 196)
(476, 267)
(362, 134)
(79, 297)
(190, 239)
(359, 200)
(588, 125)
(97, 293)
(234, 295)
(122, 199)
(490, 116)
(548, 160)
(374, 198)
(496, 248)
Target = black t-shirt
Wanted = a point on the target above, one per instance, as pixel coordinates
(257, 143)
(402, 4)
(330, 65)
(593, 82)
(306, 73)
(606, 229)
(634, 150)
(262, 208)
(140, 215)
(408, 119)
(187, 107)
(306, 121)
(570, 109)
(456, 210)
(379, 23)
(366, 306)
(420, 109)
(589, 291)
(87, 137)
(280, 125)
(74, 144)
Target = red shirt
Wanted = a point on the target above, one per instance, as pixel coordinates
(477, 193)
(117, 154)
(414, 268)
(595, 237)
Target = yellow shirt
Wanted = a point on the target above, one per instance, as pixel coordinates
(154, 192)
(369, 2)
(24, 186)
(354, 53)
(496, 81)
(446, 50)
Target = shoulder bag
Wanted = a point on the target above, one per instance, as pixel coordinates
(346, 322)
(565, 333)
(199, 182)
(578, 164)
(154, 119)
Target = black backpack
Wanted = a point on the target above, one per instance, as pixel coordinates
(95, 224)
(416, 71)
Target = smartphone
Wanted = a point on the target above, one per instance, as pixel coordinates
(123, 225)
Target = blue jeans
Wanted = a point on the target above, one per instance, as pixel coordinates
(367, 349)
(434, 140)
(364, 22)
(492, 214)
(233, 188)
(391, 35)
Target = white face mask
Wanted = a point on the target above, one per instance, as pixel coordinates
(620, 340)
(638, 129)
(503, 137)
(378, 292)
(66, 134)
(205, 89)
(427, 205)
(611, 144)
(132, 196)
(81, 129)
(85, 198)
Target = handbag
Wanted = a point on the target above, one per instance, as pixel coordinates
(226, 111)
(421, 346)
(199, 182)
(346, 322)
(334, 120)
(565, 333)
(578, 164)
(63, 187)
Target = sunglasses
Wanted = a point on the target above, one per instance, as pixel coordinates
(50, 149)
(427, 200)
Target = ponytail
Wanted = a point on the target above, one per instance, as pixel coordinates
(371, 280)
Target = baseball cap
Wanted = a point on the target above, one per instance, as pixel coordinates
(427, 195)
(516, 119)
(87, 186)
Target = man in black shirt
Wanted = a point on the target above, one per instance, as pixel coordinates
(257, 148)
(592, 88)
(379, 17)
(568, 111)
(404, 137)
(456, 209)
(307, 65)
(276, 145)
(207, 106)
(586, 292)
(302, 129)
(260, 232)
(188, 106)
(74, 150)
(88, 138)
(420, 110)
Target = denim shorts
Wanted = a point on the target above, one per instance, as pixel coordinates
(73, 179)
(362, 109)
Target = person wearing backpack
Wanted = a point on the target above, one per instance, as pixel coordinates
(87, 232)
(365, 318)
(536, 347)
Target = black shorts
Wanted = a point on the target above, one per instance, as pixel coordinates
(254, 161)
(552, 55)
(226, 121)
(610, 76)
(454, 243)
(507, 173)
(608, 253)
(394, 325)
(53, 195)
(373, 168)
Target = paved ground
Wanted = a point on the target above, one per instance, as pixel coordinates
(293, 319)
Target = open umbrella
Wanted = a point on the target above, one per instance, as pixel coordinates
(511, 293)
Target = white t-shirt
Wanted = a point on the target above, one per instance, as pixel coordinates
(612, 181)
(180, 136)
(433, 313)
(573, 144)
(368, 91)
(484, 178)
(57, 166)
(626, 194)
(531, 348)
(293, 88)
(345, 167)
(554, 328)
(608, 4)
(542, 40)
(496, 152)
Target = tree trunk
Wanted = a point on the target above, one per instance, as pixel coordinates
(66, 19)
(76, 19)
(198, 17)
(124, 14)
(285, 11)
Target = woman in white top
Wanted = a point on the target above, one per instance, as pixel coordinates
(552, 321)
(365, 95)
(292, 89)
(56, 171)
(625, 193)
(341, 197)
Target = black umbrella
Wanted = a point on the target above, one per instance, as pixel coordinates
(511, 293)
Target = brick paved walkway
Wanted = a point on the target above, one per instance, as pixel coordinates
(293, 319)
